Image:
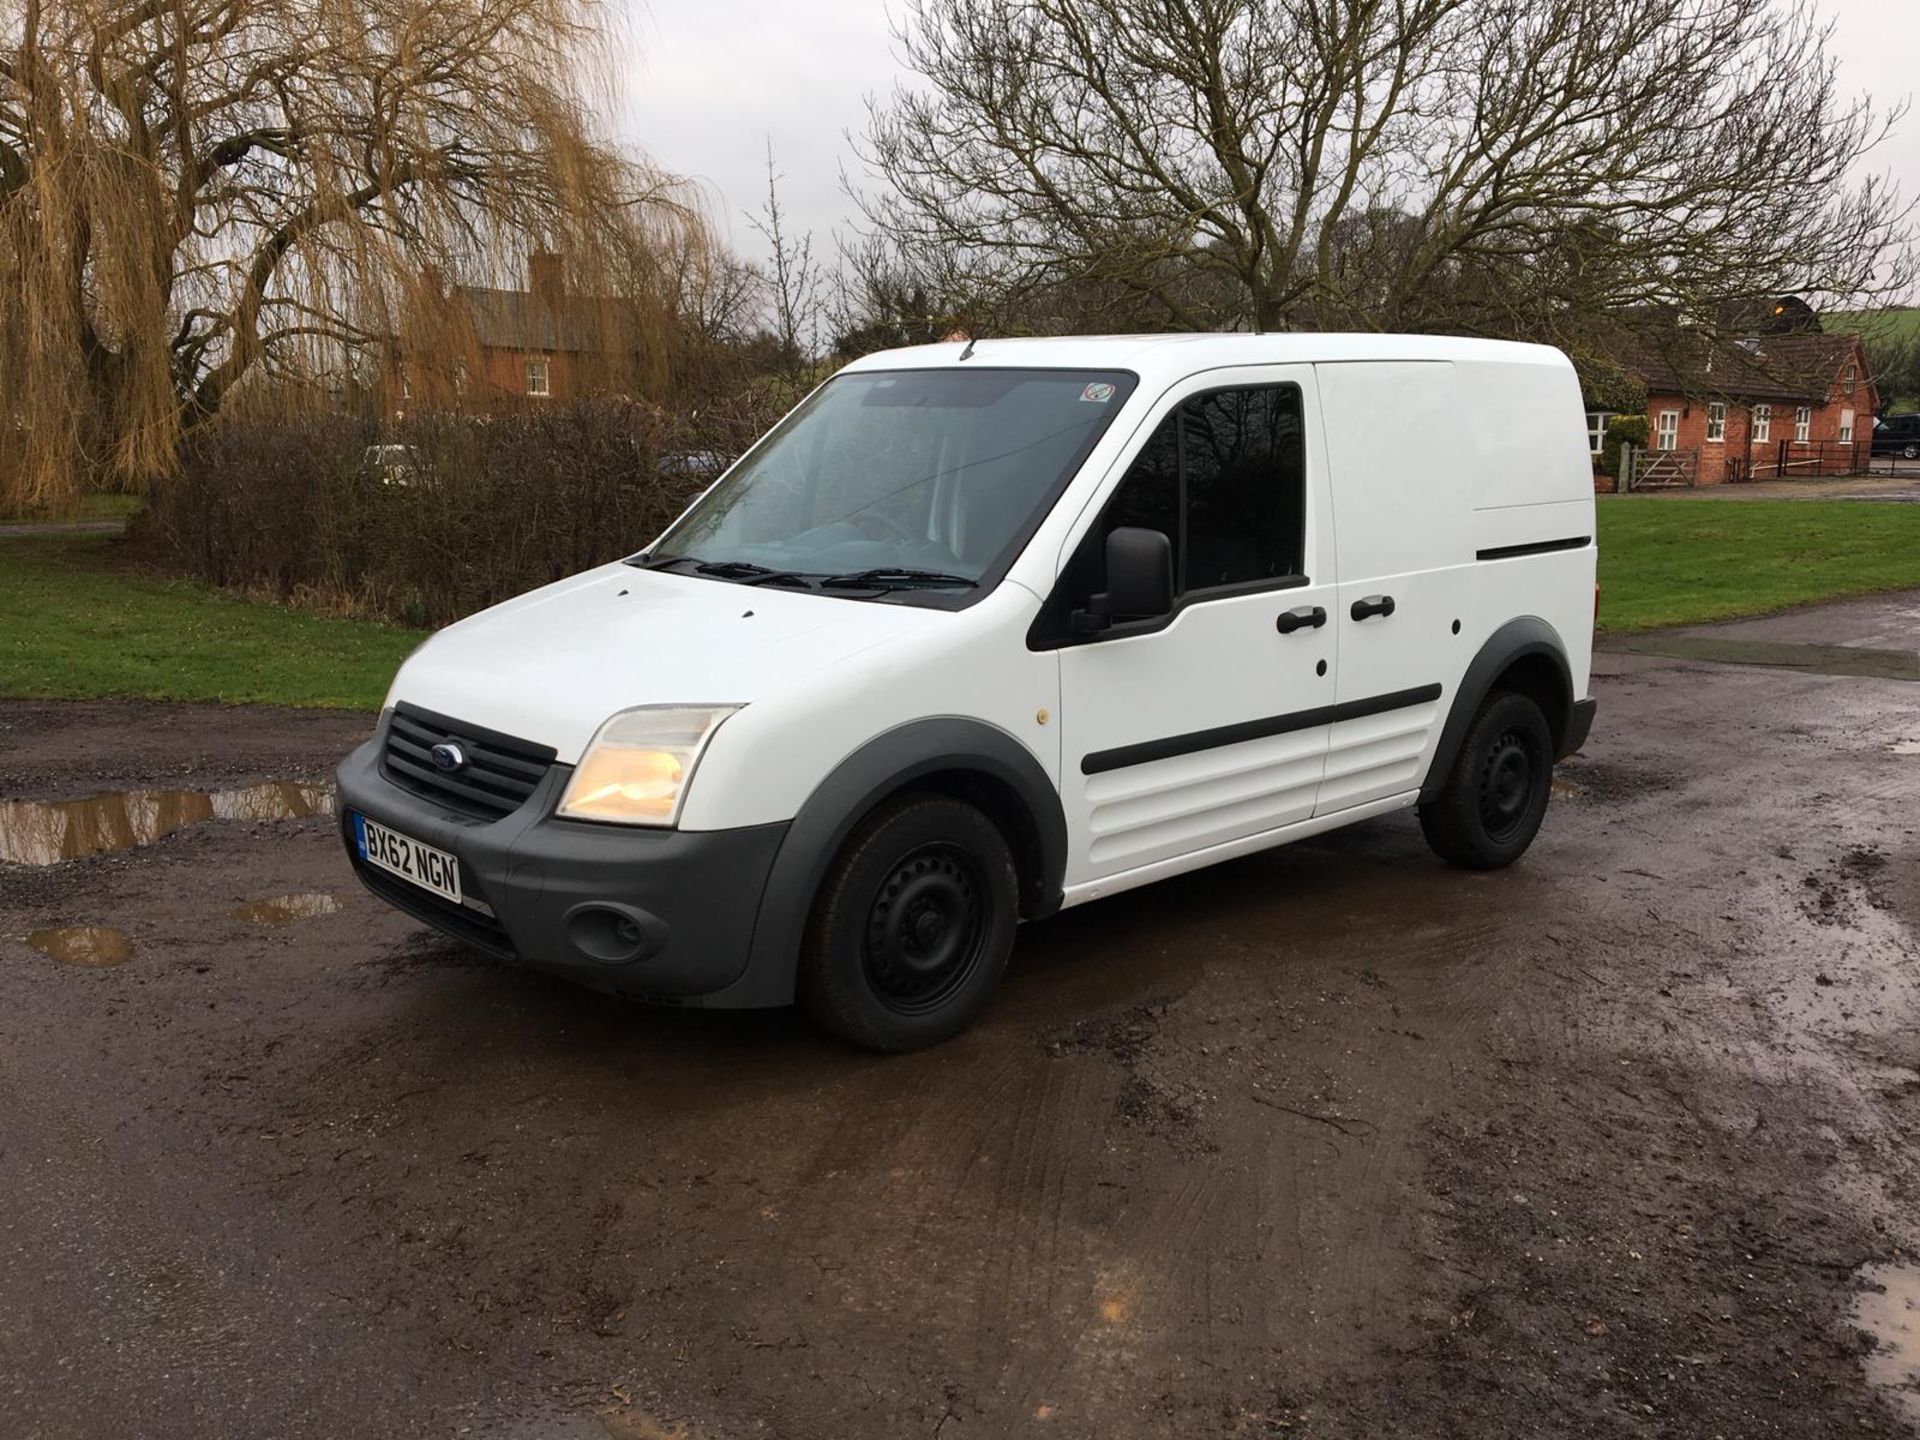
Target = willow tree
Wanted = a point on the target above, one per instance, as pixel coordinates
(1493, 166)
(199, 194)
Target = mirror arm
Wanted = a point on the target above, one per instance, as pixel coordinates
(1098, 616)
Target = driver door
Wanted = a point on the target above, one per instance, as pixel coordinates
(1186, 733)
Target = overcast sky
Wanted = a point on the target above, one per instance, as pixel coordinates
(713, 80)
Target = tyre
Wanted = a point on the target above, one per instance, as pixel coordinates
(1490, 808)
(1910, 452)
(912, 926)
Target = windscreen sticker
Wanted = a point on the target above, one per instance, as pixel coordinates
(1098, 393)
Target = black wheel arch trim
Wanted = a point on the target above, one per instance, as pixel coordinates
(1515, 640)
(885, 765)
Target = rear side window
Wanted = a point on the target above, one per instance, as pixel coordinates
(1224, 476)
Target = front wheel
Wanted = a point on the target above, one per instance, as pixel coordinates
(912, 927)
(1495, 797)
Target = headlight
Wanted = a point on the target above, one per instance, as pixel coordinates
(637, 769)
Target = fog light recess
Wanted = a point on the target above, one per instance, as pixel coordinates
(615, 934)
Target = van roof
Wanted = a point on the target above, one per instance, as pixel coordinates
(1164, 358)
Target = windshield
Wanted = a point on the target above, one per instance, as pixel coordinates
(907, 478)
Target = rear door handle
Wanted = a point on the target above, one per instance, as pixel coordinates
(1372, 605)
(1306, 617)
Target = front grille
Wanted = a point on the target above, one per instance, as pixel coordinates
(500, 773)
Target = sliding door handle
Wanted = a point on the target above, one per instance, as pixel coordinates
(1306, 617)
(1372, 605)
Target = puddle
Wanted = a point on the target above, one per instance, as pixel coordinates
(45, 832)
(1891, 1314)
(306, 905)
(92, 945)
(1905, 747)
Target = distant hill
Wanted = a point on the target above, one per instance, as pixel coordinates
(1875, 324)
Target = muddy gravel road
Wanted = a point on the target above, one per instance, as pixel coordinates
(1332, 1141)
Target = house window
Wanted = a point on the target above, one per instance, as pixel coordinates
(537, 378)
(460, 378)
(1666, 433)
(1846, 427)
(1716, 423)
(1802, 424)
(1597, 430)
(1853, 377)
(1762, 423)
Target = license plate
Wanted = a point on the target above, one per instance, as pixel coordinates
(410, 859)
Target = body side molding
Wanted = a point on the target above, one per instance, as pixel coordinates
(1194, 741)
(1534, 547)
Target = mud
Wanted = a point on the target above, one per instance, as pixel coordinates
(1332, 1141)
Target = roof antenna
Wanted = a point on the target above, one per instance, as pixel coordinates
(971, 342)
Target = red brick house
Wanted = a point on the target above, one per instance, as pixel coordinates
(1718, 410)
(480, 349)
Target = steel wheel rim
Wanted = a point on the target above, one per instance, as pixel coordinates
(1507, 783)
(926, 929)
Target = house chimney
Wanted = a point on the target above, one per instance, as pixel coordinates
(546, 279)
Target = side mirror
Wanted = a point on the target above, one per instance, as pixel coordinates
(1139, 580)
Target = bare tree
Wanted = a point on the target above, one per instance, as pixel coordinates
(196, 193)
(1500, 167)
(796, 285)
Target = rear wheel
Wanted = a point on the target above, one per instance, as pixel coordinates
(1494, 799)
(1910, 451)
(912, 927)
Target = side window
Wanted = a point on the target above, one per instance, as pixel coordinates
(1224, 478)
(1244, 470)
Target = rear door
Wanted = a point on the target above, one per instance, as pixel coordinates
(1403, 521)
(1207, 726)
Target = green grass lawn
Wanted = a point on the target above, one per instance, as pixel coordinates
(1676, 562)
(78, 622)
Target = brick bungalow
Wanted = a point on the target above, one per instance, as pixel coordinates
(482, 349)
(1718, 410)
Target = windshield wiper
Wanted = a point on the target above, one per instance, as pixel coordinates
(740, 572)
(887, 577)
(745, 572)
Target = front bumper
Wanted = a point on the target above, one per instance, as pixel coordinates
(658, 914)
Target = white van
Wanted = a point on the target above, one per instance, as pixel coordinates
(981, 632)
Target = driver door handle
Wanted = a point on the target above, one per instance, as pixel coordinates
(1307, 616)
(1372, 605)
